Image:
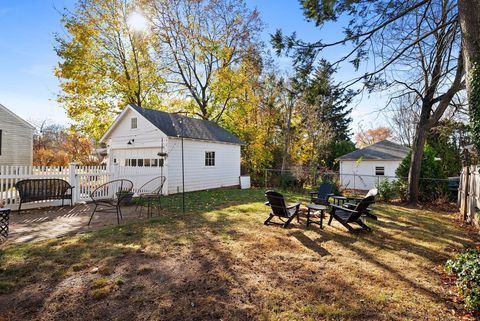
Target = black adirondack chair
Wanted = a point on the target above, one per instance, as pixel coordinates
(324, 192)
(346, 216)
(352, 202)
(285, 213)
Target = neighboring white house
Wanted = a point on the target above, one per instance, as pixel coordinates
(364, 168)
(139, 137)
(16, 139)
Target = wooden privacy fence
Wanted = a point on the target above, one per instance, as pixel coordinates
(85, 179)
(469, 193)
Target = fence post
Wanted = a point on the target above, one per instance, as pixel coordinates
(466, 191)
(459, 191)
(115, 171)
(265, 179)
(72, 171)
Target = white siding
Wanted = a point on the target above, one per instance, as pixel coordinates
(17, 139)
(361, 175)
(226, 171)
(147, 141)
(145, 135)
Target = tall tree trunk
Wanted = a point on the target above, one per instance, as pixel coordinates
(469, 17)
(417, 156)
(287, 135)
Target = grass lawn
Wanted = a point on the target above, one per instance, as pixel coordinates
(219, 262)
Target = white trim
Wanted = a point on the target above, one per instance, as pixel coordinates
(120, 116)
(207, 140)
(117, 121)
(18, 117)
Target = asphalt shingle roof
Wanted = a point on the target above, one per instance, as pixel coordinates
(384, 150)
(169, 123)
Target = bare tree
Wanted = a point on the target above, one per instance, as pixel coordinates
(402, 117)
(198, 42)
(432, 70)
(412, 47)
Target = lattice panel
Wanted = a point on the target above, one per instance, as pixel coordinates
(4, 217)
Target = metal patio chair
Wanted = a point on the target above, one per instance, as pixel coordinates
(150, 194)
(109, 196)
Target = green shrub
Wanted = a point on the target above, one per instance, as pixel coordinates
(466, 267)
(288, 180)
(387, 190)
(431, 188)
(401, 185)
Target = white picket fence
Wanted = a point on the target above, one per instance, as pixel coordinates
(85, 179)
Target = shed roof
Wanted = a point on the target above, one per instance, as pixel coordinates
(383, 150)
(170, 124)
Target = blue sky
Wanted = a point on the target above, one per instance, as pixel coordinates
(27, 58)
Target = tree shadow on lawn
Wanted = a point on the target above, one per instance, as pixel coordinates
(31, 272)
(194, 283)
(423, 226)
(385, 266)
(206, 265)
(396, 263)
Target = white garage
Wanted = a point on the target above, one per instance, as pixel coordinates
(364, 168)
(142, 137)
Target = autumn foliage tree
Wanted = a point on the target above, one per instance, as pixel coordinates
(104, 64)
(202, 57)
(371, 136)
(54, 145)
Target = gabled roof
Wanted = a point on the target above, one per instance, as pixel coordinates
(170, 124)
(383, 150)
(20, 120)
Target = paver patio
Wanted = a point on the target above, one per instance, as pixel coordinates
(50, 222)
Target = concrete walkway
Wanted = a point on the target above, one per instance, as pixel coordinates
(51, 222)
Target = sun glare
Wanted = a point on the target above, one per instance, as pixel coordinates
(137, 22)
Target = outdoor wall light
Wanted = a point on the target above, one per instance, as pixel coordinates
(131, 141)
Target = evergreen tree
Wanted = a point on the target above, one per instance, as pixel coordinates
(448, 140)
(329, 101)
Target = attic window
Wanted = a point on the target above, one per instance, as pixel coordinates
(133, 123)
(379, 170)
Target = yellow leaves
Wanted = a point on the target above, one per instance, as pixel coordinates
(103, 65)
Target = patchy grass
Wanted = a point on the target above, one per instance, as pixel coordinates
(218, 261)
